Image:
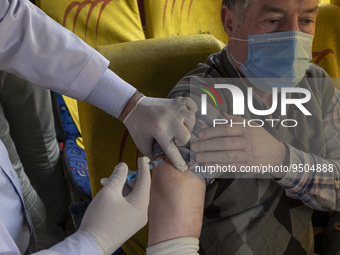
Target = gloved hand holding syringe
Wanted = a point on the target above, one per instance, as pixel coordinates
(132, 176)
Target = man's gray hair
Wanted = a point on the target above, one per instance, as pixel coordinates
(239, 6)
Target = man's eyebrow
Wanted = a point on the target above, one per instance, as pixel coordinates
(311, 10)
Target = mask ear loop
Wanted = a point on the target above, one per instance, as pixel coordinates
(235, 59)
(242, 40)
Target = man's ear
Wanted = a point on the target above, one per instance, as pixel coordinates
(228, 20)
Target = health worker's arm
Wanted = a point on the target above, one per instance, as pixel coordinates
(175, 211)
(38, 49)
(77, 243)
(108, 212)
(35, 47)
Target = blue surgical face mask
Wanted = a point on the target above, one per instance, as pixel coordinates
(277, 59)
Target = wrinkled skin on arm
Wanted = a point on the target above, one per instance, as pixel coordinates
(176, 204)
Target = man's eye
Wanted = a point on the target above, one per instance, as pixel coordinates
(271, 25)
(307, 21)
(274, 21)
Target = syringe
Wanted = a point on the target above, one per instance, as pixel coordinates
(132, 176)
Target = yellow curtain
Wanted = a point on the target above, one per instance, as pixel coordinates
(172, 18)
(98, 22)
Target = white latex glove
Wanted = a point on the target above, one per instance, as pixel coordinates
(181, 245)
(111, 218)
(169, 121)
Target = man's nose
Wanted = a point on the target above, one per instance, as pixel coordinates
(291, 24)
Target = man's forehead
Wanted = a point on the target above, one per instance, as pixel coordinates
(283, 6)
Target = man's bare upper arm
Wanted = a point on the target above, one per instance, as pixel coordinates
(176, 204)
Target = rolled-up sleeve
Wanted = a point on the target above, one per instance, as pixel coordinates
(38, 49)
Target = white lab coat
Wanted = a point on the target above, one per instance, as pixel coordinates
(15, 223)
(41, 51)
